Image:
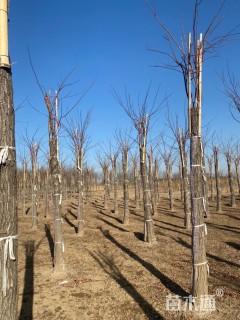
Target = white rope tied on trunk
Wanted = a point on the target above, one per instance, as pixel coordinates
(202, 225)
(7, 253)
(60, 219)
(201, 264)
(4, 153)
(60, 197)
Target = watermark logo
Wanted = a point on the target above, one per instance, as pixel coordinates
(188, 303)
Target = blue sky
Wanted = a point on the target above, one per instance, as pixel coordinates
(106, 40)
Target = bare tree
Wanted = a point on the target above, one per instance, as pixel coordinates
(232, 91)
(140, 116)
(227, 150)
(123, 139)
(112, 154)
(187, 58)
(181, 138)
(217, 178)
(168, 157)
(8, 181)
(77, 131)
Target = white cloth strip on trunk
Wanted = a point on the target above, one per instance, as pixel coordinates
(4, 153)
(60, 219)
(80, 220)
(149, 220)
(200, 264)
(7, 253)
(202, 225)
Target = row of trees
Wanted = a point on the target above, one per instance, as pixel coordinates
(187, 57)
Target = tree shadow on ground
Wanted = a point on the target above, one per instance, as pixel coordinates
(26, 312)
(70, 223)
(107, 215)
(167, 282)
(72, 214)
(209, 255)
(50, 240)
(112, 270)
(111, 224)
(234, 245)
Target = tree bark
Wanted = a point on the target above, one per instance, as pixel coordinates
(126, 211)
(149, 235)
(230, 178)
(217, 179)
(8, 200)
(80, 212)
(199, 261)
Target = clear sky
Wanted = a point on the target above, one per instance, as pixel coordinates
(106, 40)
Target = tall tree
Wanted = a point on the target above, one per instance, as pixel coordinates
(187, 57)
(77, 131)
(8, 182)
(140, 115)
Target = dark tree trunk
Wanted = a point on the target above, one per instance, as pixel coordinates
(8, 201)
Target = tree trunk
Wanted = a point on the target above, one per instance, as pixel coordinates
(115, 179)
(200, 266)
(236, 162)
(185, 183)
(211, 178)
(8, 201)
(217, 179)
(151, 182)
(230, 179)
(126, 211)
(136, 183)
(80, 213)
(24, 186)
(34, 187)
(149, 235)
(57, 204)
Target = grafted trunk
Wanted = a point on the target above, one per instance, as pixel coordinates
(217, 179)
(126, 211)
(8, 200)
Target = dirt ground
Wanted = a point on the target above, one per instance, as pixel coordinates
(112, 274)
